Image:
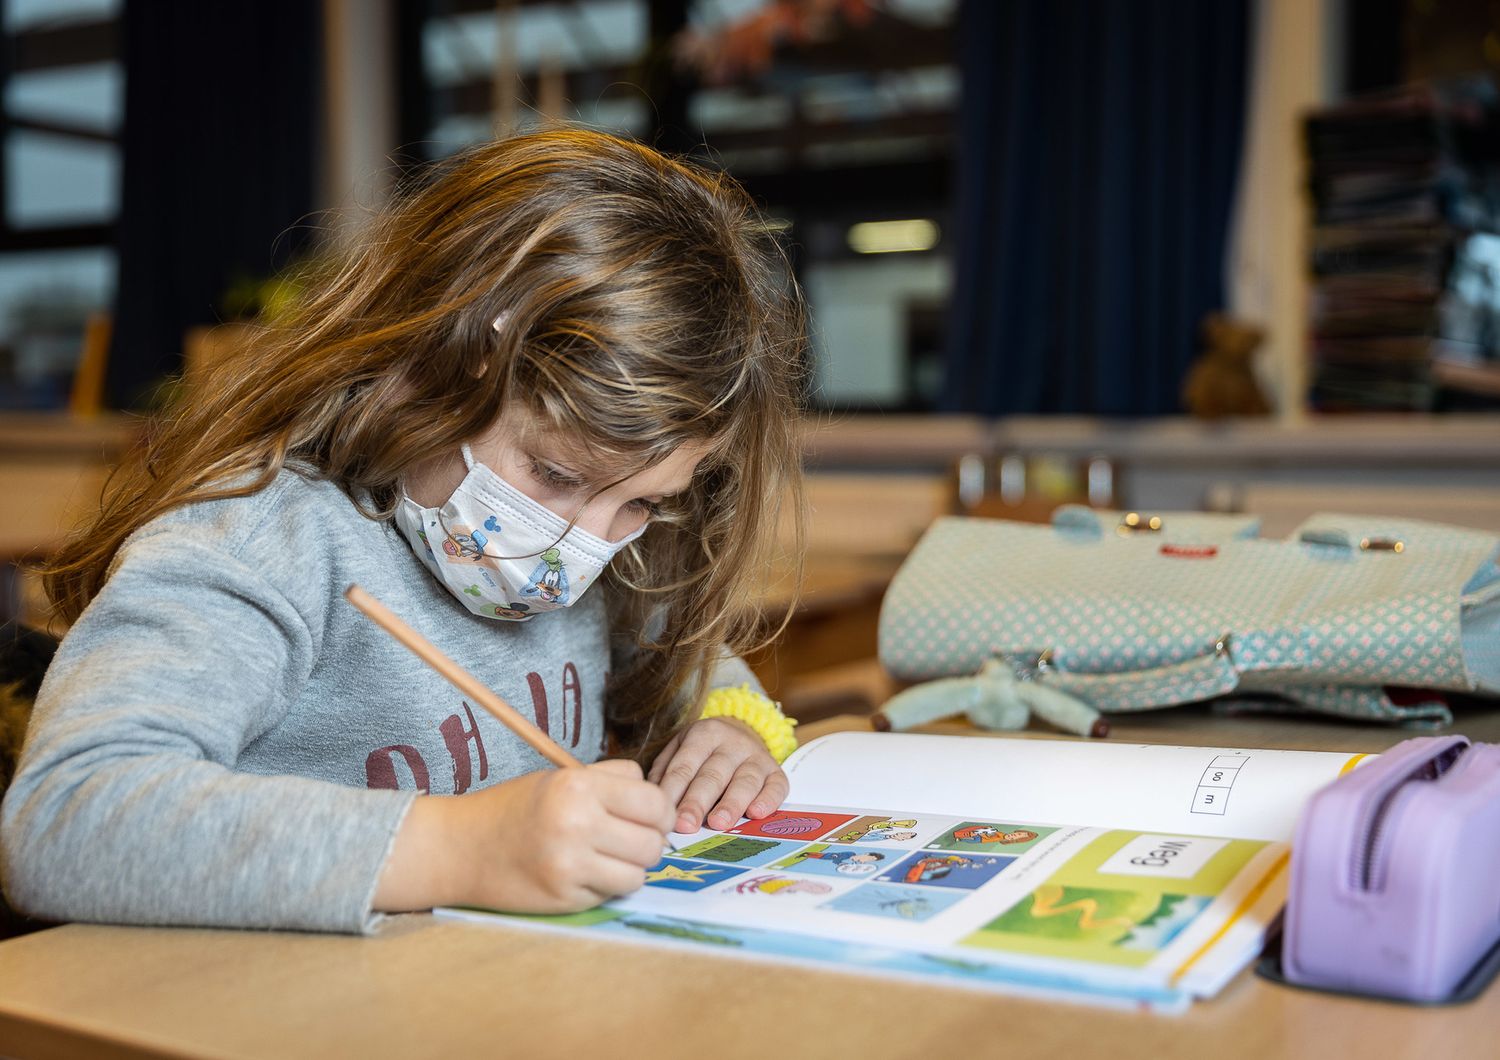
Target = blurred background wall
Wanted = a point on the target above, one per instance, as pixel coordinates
(998, 208)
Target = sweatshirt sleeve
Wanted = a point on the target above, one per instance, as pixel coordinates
(731, 672)
(126, 806)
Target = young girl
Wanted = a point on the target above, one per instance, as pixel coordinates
(565, 360)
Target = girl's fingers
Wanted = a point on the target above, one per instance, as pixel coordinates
(748, 781)
(712, 778)
(679, 774)
(609, 877)
(633, 844)
(659, 766)
(772, 794)
(629, 799)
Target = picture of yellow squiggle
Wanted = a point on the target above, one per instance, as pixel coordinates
(1085, 915)
(1044, 903)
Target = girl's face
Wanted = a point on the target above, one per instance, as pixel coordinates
(552, 470)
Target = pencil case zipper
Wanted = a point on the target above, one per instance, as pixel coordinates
(1371, 855)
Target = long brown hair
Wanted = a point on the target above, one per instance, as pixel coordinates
(643, 305)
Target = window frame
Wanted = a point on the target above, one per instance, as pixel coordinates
(53, 47)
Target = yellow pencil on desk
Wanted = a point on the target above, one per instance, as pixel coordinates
(464, 681)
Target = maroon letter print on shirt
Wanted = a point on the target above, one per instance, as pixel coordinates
(380, 768)
(457, 737)
(572, 696)
(572, 687)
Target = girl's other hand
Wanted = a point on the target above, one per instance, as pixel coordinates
(718, 769)
(555, 841)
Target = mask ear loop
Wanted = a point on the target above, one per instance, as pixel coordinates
(468, 457)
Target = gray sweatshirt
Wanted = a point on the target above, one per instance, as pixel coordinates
(223, 740)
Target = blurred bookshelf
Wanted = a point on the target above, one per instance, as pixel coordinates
(1405, 250)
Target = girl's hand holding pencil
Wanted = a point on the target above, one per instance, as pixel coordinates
(555, 841)
(549, 842)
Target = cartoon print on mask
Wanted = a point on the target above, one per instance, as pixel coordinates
(503, 564)
(466, 546)
(549, 580)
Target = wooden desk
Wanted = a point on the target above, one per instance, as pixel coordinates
(430, 988)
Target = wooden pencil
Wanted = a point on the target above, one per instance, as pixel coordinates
(460, 678)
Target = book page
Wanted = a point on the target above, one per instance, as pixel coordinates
(1106, 872)
(1105, 915)
(1210, 791)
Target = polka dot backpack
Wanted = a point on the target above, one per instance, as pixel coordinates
(1350, 615)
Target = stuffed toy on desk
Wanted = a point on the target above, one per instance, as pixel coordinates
(997, 697)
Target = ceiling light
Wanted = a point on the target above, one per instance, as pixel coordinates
(893, 237)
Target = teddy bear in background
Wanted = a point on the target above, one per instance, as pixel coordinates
(1220, 382)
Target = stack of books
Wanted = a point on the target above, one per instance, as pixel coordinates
(1405, 254)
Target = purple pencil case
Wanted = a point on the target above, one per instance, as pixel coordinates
(1395, 883)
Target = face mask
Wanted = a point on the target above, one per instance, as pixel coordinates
(502, 554)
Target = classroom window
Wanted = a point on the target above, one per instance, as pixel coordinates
(854, 126)
(61, 104)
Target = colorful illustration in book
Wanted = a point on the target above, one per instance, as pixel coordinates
(894, 901)
(781, 886)
(678, 875)
(879, 830)
(549, 580)
(994, 836)
(737, 850)
(1088, 910)
(793, 824)
(939, 868)
(1130, 920)
(820, 859)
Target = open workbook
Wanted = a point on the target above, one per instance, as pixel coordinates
(1125, 874)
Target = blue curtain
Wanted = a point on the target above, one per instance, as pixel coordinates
(222, 101)
(1098, 148)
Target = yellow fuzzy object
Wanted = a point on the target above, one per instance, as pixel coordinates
(756, 711)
